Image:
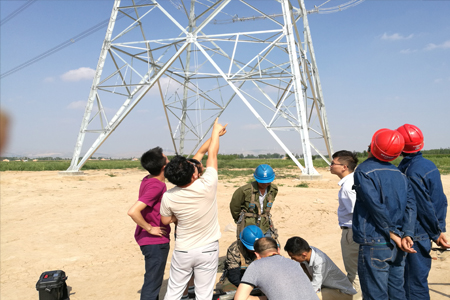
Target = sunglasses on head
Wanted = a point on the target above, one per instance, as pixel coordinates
(192, 160)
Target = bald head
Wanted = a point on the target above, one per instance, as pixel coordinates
(265, 246)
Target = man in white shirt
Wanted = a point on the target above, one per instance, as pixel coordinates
(326, 278)
(192, 204)
(343, 164)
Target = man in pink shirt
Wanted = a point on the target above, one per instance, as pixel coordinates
(151, 235)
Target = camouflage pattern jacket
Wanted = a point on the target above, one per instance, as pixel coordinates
(237, 261)
(241, 201)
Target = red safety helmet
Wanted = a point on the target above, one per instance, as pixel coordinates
(413, 138)
(387, 144)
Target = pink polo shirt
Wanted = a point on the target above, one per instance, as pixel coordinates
(150, 193)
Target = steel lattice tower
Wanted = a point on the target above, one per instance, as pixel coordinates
(202, 66)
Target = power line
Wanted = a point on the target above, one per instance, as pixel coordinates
(57, 48)
(105, 22)
(61, 46)
(16, 12)
(317, 9)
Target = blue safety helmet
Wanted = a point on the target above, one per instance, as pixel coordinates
(249, 236)
(264, 174)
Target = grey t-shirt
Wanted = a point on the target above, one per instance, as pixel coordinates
(279, 278)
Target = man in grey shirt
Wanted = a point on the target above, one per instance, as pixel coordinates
(276, 276)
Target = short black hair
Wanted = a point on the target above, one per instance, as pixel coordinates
(265, 244)
(153, 161)
(179, 171)
(348, 158)
(296, 245)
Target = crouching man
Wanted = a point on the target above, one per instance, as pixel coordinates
(241, 253)
(276, 276)
(326, 278)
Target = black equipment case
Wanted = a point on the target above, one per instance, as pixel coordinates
(52, 286)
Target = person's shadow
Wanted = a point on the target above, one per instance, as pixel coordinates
(69, 291)
(437, 292)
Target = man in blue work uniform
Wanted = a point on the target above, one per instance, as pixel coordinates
(384, 213)
(431, 205)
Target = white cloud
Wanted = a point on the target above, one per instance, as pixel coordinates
(78, 74)
(268, 89)
(441, 80)
(444, 45)
(168, 86)
(396, 37)
(252, 126)
(49, 79)
(407, 51)
(77, 105)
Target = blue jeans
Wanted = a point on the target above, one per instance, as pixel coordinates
(417, 268)
(381, 272)
(155, 263)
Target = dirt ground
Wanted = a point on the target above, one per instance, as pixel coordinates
(80, 225)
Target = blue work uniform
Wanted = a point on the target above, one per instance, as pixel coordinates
(432, 206)
(384, 203)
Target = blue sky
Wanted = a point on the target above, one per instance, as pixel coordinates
(381, 64)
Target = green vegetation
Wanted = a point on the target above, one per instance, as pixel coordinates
(230, 166)
(302, 185)
(442, 162)
(62, 165)
(227, 173)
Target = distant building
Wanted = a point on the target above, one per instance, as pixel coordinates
(6, 160)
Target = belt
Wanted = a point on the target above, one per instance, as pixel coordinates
(345, 227)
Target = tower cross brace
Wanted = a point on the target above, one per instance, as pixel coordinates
(199, 67)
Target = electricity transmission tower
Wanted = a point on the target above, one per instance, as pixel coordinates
(199, 66)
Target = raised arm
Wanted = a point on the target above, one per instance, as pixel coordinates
(204, 148)
(214, 145)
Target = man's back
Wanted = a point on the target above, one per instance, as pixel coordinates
(382, 195)
(150, 193)
(431, 200)
(279, 278)
(195, 207)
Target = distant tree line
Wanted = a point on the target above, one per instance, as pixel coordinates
(437, 151)
(441, 151)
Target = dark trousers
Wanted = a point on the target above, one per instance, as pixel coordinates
(155, 263)
(417, 268)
